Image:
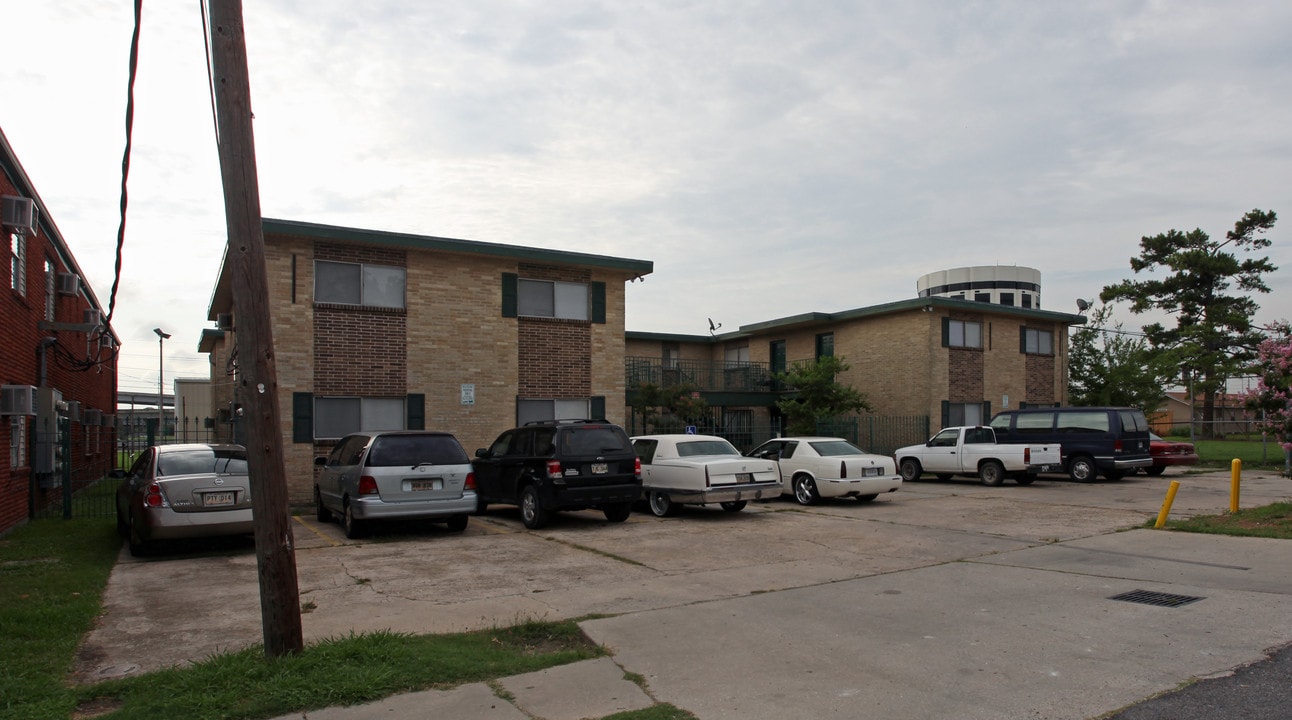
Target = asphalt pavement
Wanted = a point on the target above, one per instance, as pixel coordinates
(943, 600)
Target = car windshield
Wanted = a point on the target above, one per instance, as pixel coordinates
(705, 447)
(204, 460)
(593, 440)
(834, 448)
(412, 450)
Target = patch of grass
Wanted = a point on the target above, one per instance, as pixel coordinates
(1253, 453)
(662, 711)
(340, 671)
(52, 575)
(1269, 521)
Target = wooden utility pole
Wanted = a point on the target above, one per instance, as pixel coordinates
(280, 612)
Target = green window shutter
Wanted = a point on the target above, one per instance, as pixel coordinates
(598, 302)
(416, 408)
(510, 290)
(1022, 340)
(946, 332)
(597, 407)
(946, 413)
(302, 417)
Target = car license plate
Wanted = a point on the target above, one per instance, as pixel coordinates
(600, 468)
(870, 472)
(217, 499)
(744, 477)
(435, 484)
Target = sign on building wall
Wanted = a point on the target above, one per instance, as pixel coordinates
(468, 394)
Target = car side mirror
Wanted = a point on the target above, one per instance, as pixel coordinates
(482, 452)
(320, 461)
(116, 473)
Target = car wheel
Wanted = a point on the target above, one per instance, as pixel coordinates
(1154, 470)
(734, 506)
(1027, 479)
(353, 526)
(867, 498)
(911, 470)
(661, 505)
(805, 490)
(1081, 469)
(457, 523)
(991, 473)
(138, 546)
(531, 509)
(321, 513)
(618, 513)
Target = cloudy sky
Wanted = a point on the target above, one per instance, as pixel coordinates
(771, 158)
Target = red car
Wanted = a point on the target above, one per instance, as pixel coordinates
(1168, 452)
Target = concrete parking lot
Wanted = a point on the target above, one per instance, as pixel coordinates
(945, 599)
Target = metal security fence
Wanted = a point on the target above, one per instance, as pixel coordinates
(880, 434)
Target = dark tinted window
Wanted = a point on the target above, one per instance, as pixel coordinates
(693, 448)
(645, 450)
(835, 448)
(592, 440)
(1084, 421)
(191, 462)
(410, 450)
(1041, 422)
(1133, 421)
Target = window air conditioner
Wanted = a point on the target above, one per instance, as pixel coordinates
(224, 321)
(93, 317)
(109, 420)
(17, 400)
(68, 283)
(93, 417)
(18, 214)
(107, 342)
(74, 410)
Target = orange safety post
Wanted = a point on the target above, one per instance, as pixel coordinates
(1235, 475)
(1166, 504)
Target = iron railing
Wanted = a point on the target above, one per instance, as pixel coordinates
(704, 375)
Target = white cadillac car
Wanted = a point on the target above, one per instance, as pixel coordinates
(811, 468)
(701, 469)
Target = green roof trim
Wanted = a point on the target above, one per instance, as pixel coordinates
(427, 242)
(809, 319)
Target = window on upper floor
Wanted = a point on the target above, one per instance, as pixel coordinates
(346, 283)
(824, 345)
(1036, 342)
(551, 299)
(18, 263)
(736, 356)
(51, 275)
(961, 333)
(1007, 298)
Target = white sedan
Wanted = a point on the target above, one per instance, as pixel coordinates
(701, 469)
(811, 468)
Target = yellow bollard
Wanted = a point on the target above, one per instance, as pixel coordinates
(1235, 475)
(1166, 504)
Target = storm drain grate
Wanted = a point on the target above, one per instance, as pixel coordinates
(1160, 599)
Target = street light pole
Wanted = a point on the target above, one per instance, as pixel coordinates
(161, 397)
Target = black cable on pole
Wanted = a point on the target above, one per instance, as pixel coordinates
(125, 159)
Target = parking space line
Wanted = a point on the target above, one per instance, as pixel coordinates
(315, 530)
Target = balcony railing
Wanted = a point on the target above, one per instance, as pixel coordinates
(704, 375)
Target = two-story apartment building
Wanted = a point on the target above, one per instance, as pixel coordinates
(58, 360)
(953, 361)
(381, 330)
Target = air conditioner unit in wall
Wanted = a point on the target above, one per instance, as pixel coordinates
(93, 316)
(74, 410)
(69, 283)
(17, 400)
(19, 214)
(93, 417)
(224, 321)
(109, 420)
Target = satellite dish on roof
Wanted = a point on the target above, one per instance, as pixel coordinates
(1083, 305)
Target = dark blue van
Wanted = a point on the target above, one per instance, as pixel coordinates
(1109, 440)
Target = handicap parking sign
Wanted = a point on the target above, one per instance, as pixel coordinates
(690, 429)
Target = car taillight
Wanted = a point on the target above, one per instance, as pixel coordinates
(637, 467)
(554, 469)
(470, 484)
(1117, 446)
(153, 498)
(367, 485)
(843, 470)
(1027, 455)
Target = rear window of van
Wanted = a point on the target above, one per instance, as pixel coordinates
(412, 450)
(1042, 422)
(1078, 422)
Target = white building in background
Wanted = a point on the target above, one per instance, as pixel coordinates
(1009, 285)
(193, 410)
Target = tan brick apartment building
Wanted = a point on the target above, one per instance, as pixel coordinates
(387, 330)
(954, 361)
(58, 360)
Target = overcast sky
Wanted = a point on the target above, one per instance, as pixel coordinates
(770, 158)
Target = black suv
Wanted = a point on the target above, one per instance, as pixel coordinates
(567, 465)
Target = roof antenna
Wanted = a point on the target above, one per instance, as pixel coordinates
(713, 328)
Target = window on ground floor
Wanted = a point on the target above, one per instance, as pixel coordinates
(336, 417)
(548, 409)
(964, 413)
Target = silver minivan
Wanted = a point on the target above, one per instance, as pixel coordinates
(397, 475)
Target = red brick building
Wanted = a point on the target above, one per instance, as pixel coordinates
(58, 360)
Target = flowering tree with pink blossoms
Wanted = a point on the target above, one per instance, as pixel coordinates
(1272, 397)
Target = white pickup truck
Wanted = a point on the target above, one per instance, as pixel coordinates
(973, 451)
